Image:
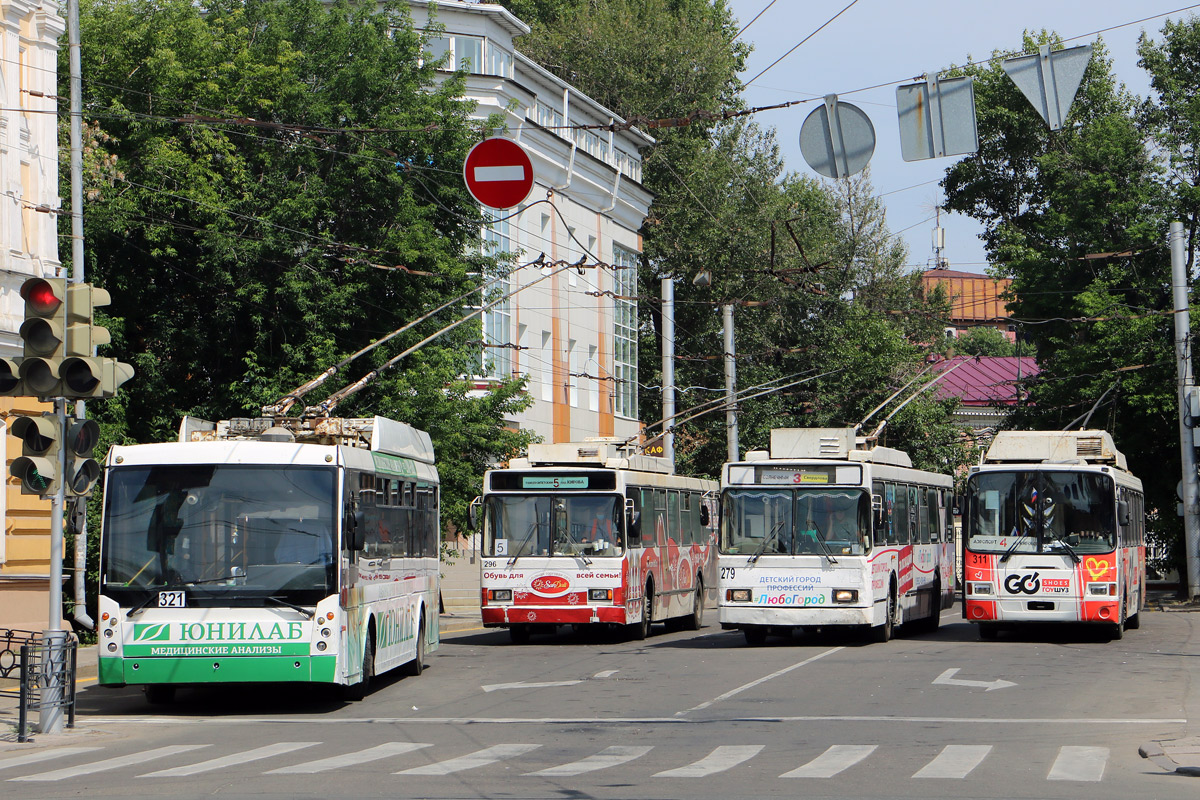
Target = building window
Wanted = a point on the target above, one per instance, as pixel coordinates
(466, 53)
(625, 332)
(497, 320)
(499, 61)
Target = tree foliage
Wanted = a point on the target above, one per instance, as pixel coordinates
(274, 184)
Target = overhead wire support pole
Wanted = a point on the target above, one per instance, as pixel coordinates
(731, 424)
(1187, 443)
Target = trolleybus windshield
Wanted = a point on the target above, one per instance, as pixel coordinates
(227, 534)
(795, 522)
(1040, 512)
(553, 525)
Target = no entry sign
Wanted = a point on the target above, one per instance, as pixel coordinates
(498, 173)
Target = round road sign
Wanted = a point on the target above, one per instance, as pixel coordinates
(498, 173)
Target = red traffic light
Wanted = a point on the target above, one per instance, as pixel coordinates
(40, 296)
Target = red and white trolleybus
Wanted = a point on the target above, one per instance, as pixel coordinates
(1053, 531)
(587, 534)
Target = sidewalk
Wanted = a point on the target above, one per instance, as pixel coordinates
(1174, 755)
(459, 621)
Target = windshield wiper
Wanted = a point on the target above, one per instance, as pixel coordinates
(291, 605)
(1013, 547)
(532, 530)
(1070, 550)
(767, 540)
(824, 545)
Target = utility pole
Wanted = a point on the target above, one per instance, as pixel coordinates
(1187, 445)
(731, 425)
(668, 370)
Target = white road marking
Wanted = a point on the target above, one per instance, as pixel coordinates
(351, 759)
(243, 757)
(724, 757)
(492, 687)
(947, 679)
(480, 758)
(44, 755)
(955, 761)
(608, 673)
(1079, 764)
(608, 757)
(111, 763)
(837, 758)
(764, 679)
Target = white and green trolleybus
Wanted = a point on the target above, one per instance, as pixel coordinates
(264, 550)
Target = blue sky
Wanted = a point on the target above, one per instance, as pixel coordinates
(881, 41)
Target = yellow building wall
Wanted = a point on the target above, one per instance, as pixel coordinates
(25, 557)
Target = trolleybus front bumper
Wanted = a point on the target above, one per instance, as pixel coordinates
(217, 669)
(497, 616)
(742, 614)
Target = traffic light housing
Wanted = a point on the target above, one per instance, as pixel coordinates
(38, 466)
(82, 471)
(59, 337)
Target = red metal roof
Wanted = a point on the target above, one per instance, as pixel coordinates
(984, 380)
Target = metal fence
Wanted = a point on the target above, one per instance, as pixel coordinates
(39, 672)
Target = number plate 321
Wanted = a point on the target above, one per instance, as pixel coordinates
(172, 599)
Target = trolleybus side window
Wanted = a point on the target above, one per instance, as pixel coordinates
(900, 517)
(921, 506)
(634, 539)
(934, 503)
(883, 512)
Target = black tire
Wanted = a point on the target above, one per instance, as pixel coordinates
(159, 694)
(1116, 631)
(643, 631)
(415, 667)
(883, 633)
(930, 624)
(695, 621)
(1134, 622)
(358, 691)
(756, 635)
(987, 632)
(518, 634)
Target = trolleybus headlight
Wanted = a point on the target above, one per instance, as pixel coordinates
(737, 595)
(325, 632)
(503, 595)
(600, 594)
(979, 588)
(845, 595)
(321, 647)
(1106, 589)
(112, 647)
(108, 633)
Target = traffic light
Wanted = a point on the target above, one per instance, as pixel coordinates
(82, 470)
(37, 467)
(59, 336)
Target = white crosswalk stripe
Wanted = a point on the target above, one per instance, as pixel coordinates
(837, 758)
(45, 755)
(608, 757)
(481, 758)
(1079, 764)
(245, 757)
(955, 761)
(385, 750)
(723, 758)
(111, 763)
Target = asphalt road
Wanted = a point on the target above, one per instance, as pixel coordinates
(1053, 713)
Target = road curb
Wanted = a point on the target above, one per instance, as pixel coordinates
(1163, 754)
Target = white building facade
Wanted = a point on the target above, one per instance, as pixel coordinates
(573, 334)
(29, 205)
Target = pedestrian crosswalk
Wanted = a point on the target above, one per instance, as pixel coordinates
(949, 762)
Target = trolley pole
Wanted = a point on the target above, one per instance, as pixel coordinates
(1187, 447)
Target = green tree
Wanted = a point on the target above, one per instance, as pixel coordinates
(272, 185)
(1075, 218)
(983, 340)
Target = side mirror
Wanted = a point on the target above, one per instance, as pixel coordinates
(356, 531)
(705, 517)
(473, 513)
(635, 523)
(1122, 512)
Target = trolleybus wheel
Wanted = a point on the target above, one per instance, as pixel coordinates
(643, 629)
(930, 624)
(358, 691)
(417, 665)
(884, 632)
(158, 694)
(1117, 630)
(1134, 622)
(696, 620)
